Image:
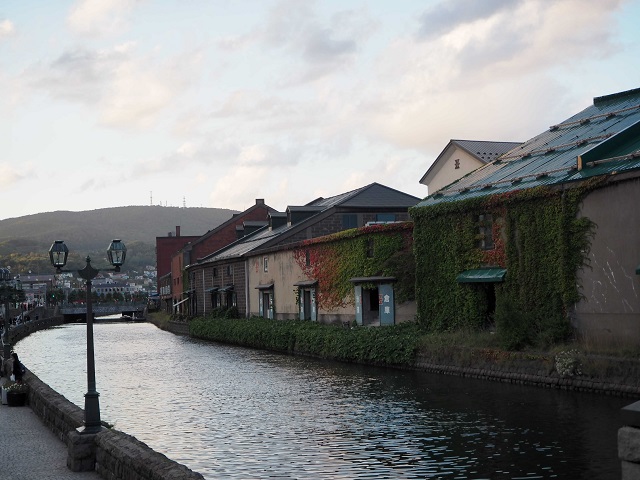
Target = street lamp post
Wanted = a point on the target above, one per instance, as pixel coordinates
(116, 253)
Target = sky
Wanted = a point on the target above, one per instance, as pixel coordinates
(215, 103)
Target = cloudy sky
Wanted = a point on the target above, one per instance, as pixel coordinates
(214, 103)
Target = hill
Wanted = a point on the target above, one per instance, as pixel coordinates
(25, 241)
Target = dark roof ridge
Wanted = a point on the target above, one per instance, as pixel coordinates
(615, 96)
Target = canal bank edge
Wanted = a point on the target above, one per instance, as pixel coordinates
(111, 453)
(587, 373)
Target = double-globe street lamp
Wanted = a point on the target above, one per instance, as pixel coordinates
(116, 254)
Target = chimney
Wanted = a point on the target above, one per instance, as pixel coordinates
(259, 201)
(177, 230)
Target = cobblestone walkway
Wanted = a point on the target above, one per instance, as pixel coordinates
(30, 451)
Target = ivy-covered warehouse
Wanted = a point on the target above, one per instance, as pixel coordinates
(544, 242)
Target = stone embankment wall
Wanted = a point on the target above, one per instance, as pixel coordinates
(601, 375)
(18, 332)
(113, 454)
(178, 328)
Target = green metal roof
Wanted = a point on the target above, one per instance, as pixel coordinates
(482, 275)
(602, 139)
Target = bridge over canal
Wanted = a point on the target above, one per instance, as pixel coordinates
(137, 311)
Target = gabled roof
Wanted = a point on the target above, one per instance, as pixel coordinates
(601, 139)
(234, 219)
(370, 196)
(484, 151)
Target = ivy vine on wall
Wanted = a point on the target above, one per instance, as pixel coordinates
(334, 259)
(537, 236)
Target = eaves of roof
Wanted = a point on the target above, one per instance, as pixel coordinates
(602, 139)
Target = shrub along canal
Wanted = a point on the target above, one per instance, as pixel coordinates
(236, 413)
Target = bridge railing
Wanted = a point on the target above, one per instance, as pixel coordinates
(105, 308)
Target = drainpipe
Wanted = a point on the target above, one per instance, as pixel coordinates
(247, 304)
(204, 298)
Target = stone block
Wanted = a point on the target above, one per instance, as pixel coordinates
(631, 415)
(630, 471)
(81, 451)
(629, 444)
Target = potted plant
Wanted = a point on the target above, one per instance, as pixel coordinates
(17, 394)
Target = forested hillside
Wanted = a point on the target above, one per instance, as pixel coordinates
(25, 241)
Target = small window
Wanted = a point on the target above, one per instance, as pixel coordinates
(385, 217)
(349, 220)
(265, 264)
(456, 162)
(485, 227)
(370, 248)
(307, 258)
(215, 272)
(228, 270)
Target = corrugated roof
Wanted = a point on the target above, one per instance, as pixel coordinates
(612, 124)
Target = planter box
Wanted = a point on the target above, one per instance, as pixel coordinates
(4, 396)
(16, 399)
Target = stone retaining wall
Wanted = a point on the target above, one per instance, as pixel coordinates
(113, 454)
(623, 376)
(18, 332)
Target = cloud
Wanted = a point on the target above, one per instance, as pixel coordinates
(189, 155)
(9, 175)
(449, 14)
(7, 28)
(100, 17)
(127, 90)
(318, 47)
(489, 73)
(233, 188)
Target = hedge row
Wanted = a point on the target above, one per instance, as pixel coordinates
(394, 345)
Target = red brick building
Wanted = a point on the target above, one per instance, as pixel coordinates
(239, 225)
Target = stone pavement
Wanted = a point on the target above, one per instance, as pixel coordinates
(30, 451)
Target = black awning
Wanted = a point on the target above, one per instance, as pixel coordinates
(265, 286)
(305, 283)
(377, 279)
(226, 288)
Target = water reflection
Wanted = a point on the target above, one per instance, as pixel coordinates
(236, 413)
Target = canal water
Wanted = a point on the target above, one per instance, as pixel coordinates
(236, 413)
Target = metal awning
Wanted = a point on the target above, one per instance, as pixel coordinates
(482, 275)
(211, 290)
(226, 288)
(265, 286)
(305, 283)
(377, 279)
